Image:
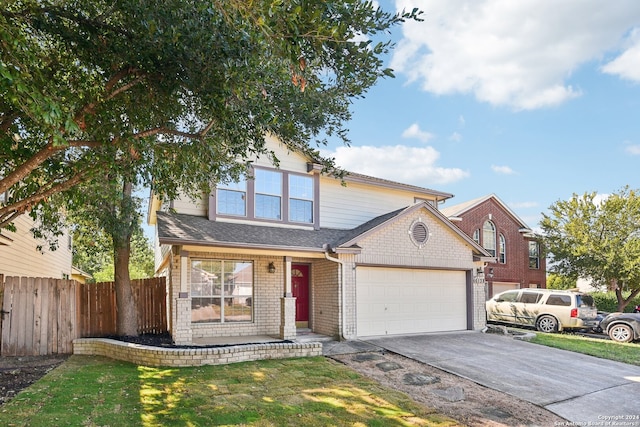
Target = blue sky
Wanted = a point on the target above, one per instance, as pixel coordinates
(533, 100)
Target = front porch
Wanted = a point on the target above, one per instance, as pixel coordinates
(227, 298)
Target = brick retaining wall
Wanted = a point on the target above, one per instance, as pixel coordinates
(179, 357)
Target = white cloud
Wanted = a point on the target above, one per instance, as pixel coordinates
(515, 53)
(633, 149)
(461, 120)
(503, 170)
(409, 165)
(627, 64)
(414, 131)
(600, 198)
(455, 137)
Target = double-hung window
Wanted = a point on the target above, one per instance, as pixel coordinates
(300, 198)
(489, 237)
(232, 198)
(534, 255)
(221, 291)
(268, 188)
(270, 195)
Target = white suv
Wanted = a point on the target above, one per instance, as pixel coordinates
(549, 310)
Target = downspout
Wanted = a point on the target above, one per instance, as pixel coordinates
(342, 290)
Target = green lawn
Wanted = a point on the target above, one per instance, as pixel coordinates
(97, 391)
(605, 349)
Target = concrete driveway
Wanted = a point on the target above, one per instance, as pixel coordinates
(582, 389)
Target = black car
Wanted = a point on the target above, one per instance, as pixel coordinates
(599, 318)
(622, 327)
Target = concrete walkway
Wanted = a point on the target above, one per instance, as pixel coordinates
(582, 389)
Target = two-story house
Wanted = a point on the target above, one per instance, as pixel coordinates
(519, 262)
(292, 248)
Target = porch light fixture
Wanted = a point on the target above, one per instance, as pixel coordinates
(272, 267)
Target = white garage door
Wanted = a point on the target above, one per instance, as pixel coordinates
(405, 301)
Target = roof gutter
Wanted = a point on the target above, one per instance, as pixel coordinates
(342, 289)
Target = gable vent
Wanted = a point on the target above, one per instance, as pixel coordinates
(419, 233)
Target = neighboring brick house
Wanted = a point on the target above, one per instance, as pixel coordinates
(490, 223)
(292, 248)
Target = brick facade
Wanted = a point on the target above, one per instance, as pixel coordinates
(392, 246)
(177, 357)
(516, 269)
(332, 296)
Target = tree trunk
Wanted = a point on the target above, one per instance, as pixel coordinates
(622, 302)
(127, 312)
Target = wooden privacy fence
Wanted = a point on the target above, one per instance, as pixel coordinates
(39, 316)
(97, 314)
(43, 316)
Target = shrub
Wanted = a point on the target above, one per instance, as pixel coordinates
(606, 301)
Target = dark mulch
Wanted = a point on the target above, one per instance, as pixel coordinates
(17, 373)
(165, 341)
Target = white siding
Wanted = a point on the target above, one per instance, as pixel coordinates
(21, 257)
(185, 205)
(350, 206)
(289, 161)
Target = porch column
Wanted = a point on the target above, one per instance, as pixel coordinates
(182, 333)
(287, 306)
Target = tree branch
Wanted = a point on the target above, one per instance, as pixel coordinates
(27, 167)
(6, 219)
(26, 204)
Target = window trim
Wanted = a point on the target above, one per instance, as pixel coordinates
(279, 196)
(285, 218)
(486, 232)
(291, 198)
(536, 257)
(244, 192)
(476, 236)
(222, 296)
(502, 249)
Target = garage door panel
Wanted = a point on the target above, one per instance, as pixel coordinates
(402, 301)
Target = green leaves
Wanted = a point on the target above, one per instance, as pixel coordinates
(172, 92)
(596, 239)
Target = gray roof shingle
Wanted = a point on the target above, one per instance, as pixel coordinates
(188, 229)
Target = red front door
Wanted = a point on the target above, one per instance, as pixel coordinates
(300, 288)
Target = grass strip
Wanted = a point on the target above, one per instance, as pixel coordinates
(605, 349)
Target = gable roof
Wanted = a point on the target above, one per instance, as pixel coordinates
(454, 212)
(369, 228)
(182, 229)
(380, 182)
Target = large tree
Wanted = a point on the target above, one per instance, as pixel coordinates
(597, 239)
(160, 86)
(172, 93)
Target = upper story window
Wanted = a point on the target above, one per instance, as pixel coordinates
(489, 237)
(476, 236)
(268, 187)
(232, 198)
(271, 195)
(300, 198)
(534, 254)
(502, 250)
